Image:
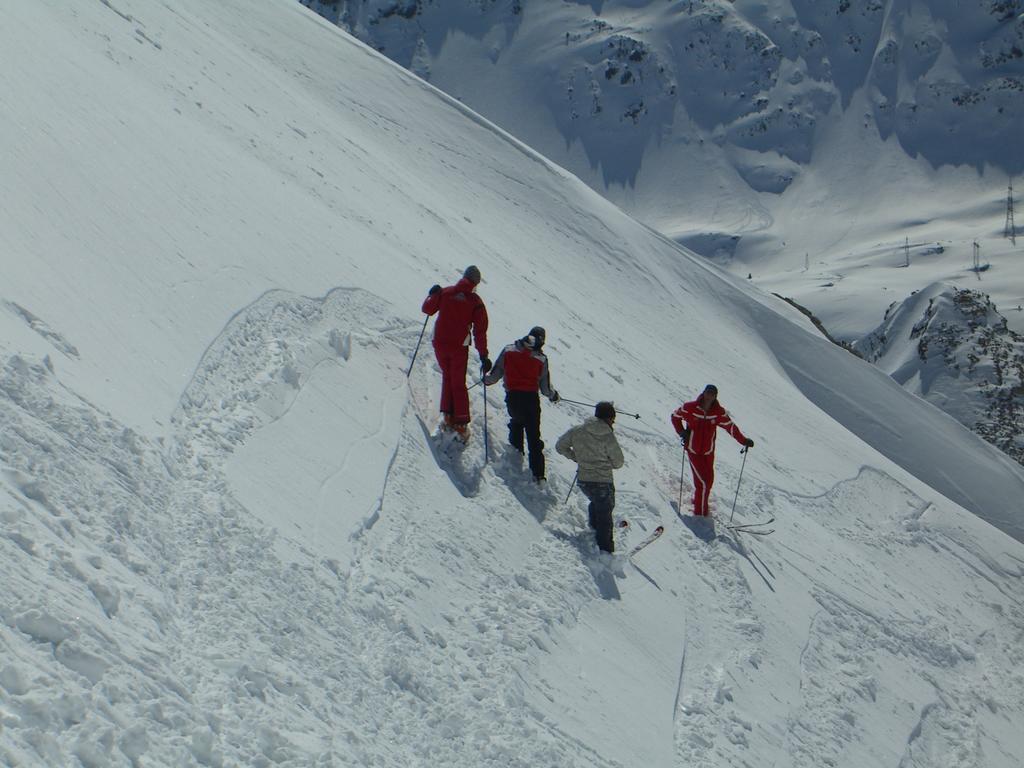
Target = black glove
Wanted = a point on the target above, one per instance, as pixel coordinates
(684, 437)
(435, 289)
(555, 397)
(749, 443)
(485, 364)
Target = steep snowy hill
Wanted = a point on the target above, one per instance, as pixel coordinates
(228, 537)
(800, 143)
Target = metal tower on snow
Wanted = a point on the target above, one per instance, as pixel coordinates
(1010, 230)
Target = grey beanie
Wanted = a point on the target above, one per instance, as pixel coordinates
(472, 274)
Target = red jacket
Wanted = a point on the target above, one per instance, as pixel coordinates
(460, 310)
(524, 370)
(703, 426)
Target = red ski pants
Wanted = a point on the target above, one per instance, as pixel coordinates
(703, 469)
(454, 397)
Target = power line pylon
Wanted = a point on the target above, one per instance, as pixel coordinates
(1010, 230)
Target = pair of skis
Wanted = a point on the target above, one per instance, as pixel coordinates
(759, 528)
(755, 529)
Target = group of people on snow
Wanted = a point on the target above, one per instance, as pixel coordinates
(523, 368)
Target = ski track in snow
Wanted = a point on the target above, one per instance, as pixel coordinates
(148, 537)
(211, 574)
(855, 639)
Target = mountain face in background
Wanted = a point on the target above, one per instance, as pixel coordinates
(602, 86)
(768, 136)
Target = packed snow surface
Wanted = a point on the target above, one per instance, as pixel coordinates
(229, 536)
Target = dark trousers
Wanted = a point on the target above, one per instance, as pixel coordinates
(602, 502)
(524, 420)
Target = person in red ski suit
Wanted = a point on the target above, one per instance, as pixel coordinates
(460, 313)
(696, 423)
(524, 369)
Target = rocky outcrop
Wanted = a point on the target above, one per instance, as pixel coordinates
(953, 348)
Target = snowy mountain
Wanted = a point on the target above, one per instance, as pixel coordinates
(641, 98)
(952, 347)
(767, 136)
(228, 536)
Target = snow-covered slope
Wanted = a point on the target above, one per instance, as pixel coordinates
(226, 536)
(801, 143)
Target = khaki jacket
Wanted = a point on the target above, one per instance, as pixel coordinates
(593, 446)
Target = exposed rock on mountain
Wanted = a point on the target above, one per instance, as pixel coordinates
(953, 348)
(629, 80)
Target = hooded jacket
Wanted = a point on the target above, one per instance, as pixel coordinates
(592, 445)
(461, 310)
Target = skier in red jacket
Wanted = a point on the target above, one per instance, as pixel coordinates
(460, 312)
(524, 369)
(696, 423)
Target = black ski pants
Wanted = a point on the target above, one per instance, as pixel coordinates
(524, 420)
(602, 502)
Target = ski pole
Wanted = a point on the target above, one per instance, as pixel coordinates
(591, 405)
(416, 351)
(574, 479)
(577, 402)
(738, 481)
(682, 476)
(487, 453)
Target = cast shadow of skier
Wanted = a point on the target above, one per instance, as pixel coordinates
(584, 543)
(701, 527)
(538, 501)
(460, 463)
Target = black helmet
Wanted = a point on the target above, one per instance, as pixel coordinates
(535, 338)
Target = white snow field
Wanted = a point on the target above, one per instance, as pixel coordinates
(228, 538)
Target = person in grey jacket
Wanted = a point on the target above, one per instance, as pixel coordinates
(592, 445)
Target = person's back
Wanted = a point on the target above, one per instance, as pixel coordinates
(460, 312)
(593, 446)
(524, 370)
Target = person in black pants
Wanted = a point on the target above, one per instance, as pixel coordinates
(524, 369)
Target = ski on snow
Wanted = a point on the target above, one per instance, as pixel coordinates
(650, 538)
(756, 529)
